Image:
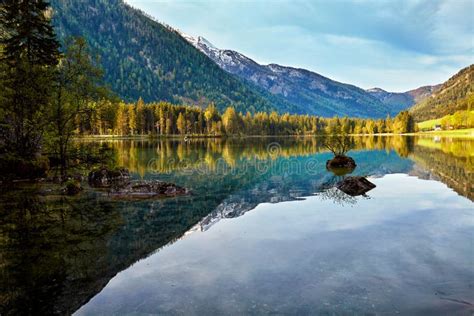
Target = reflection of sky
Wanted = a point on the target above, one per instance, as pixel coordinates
(407, 249)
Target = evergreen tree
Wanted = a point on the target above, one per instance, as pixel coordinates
(30, 54)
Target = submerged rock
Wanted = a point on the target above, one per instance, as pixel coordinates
(72, 187)
(339, 162)
(355, 186)
(148, 189)
(104, 177)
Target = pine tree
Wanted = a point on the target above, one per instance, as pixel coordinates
(29, 56)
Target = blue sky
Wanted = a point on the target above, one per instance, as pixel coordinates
(395, 45)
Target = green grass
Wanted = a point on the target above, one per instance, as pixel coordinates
(454, 132)
(429, 124)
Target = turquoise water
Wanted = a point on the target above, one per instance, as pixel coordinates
(265, 231)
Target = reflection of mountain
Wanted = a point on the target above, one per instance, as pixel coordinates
(300, 183)
(447, 166)
(58, 252)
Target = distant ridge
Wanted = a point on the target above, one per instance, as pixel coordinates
(454, 95)
(400, 101)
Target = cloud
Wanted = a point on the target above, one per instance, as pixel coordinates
(399, 44)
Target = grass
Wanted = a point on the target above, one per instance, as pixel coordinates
(454, 132)
(429, 124)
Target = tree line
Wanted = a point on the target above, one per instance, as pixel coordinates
(164, 119)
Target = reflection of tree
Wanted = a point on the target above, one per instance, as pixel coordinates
(337, 196)
(168, 155)
(51, 252)
(452, 168)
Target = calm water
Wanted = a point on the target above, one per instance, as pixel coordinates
(264, 231)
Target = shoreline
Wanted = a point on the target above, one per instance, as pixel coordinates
(468, 133)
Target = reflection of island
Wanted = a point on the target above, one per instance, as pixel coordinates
(296, 186)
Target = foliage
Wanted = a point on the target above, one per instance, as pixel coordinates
(164, 118)
(78, 84)
(29, 56)
(458, 120)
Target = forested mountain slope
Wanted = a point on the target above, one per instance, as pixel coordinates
(143, 58)
(310, 92)
(454, 95)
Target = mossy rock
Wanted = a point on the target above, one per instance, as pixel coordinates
(341, 162)
(72, 187)
(148, 189)
(105, 177)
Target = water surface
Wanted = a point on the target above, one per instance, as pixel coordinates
(265, 231)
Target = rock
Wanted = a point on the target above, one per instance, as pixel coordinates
(148, 189)
(104, 177)
(355, 186)
(72, 187)
(341, 162)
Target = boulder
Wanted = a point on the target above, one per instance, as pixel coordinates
(148, 189)
(104, 177)
(355, 186)
(341, 162)
(72, 187)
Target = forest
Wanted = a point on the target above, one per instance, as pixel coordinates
(164, 119)
(53, 91)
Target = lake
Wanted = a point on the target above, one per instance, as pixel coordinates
(264, 231)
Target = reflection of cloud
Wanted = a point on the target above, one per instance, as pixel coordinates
(309, 253)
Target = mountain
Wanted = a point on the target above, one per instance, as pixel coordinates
(310, 92)
(399, 101)
(143, 58)
(454, 95)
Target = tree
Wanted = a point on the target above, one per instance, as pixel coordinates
(30, 54)
(181, 124)
(78, 86)
(132, 119)
(403, 123)
(121, 120)
(231, 121)
(211, 115)
(140, 116)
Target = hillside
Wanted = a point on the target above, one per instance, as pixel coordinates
(142, 58)
(310, 92)
(399, 101)
(456, 94)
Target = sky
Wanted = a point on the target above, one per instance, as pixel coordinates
(394, 45)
